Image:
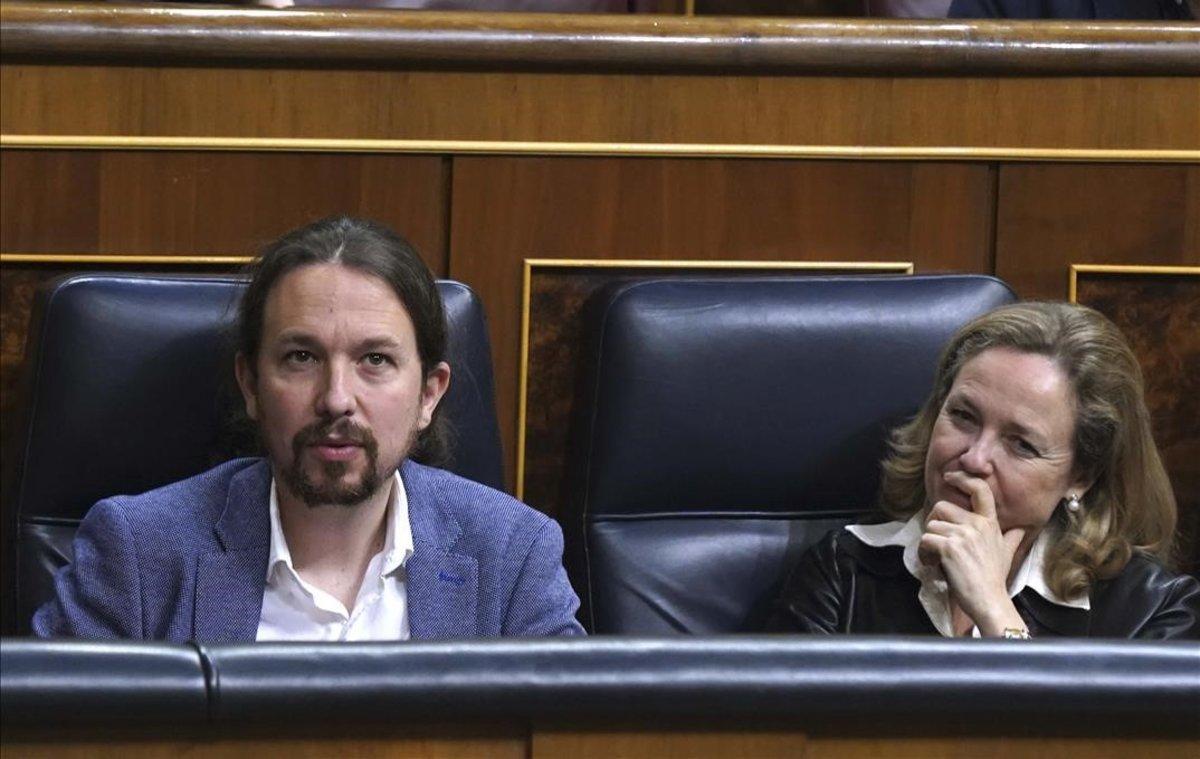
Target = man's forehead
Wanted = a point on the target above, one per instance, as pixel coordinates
(332, 285)
(306, 297)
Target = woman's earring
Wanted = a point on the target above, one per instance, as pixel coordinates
(1073, 504)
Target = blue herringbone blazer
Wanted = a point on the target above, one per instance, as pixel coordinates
(189, 562)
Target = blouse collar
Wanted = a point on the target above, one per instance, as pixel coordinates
(934, 594)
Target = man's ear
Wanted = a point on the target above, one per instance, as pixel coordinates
(248, 382)
(437, 382)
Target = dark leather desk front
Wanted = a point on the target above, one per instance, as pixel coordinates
(602, 696)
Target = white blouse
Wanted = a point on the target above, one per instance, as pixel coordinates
(935, 591)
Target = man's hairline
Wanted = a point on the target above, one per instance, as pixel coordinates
(337, 260)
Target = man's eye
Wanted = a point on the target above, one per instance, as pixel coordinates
(298, 357)
(377, 359)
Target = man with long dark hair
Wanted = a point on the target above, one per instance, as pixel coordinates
(338, 534)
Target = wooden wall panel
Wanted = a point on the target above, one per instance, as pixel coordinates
(464, 741)
(606, 741)
(754, 741)
(51, 193)
(1050, 216)
(507, 209)
(1159, 314)
(215, 203)
(946, 111)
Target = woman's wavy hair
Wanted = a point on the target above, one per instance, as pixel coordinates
(1130, 505)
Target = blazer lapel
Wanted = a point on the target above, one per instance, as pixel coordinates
(442, 586)
(230, 581)
(229, 594)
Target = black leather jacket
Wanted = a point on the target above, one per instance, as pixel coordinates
(842, 585)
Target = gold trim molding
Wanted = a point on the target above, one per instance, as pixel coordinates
(1077, 269)
(853, 267)
(623, 149)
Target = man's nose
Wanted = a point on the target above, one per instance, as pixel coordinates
(337, 396)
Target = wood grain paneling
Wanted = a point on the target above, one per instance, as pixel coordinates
(601, 743)
(680, 744)
(766, 744)
(1001, 112)
(1160, 316)
(49, 193)
(448, 746)
(1016, 747)
(507, 209)
(196, 203)
(1051, 216)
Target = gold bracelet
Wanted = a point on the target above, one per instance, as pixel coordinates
(1016, 633)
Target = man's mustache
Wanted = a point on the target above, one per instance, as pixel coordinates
(342, 429)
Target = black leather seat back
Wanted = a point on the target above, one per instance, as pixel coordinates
(131, 387)
(727, 424)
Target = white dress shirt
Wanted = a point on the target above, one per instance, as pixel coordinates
(297, 610)
(935, 590)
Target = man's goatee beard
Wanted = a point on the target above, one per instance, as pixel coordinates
(332, 491)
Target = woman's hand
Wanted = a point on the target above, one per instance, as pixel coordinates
(975, 556)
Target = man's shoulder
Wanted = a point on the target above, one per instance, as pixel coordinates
(193, 501)
(481, 514)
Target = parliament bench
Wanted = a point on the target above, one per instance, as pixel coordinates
(770, 695)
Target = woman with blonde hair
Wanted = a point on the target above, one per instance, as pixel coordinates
(1027, 495)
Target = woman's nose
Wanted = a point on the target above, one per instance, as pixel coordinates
(977, 458)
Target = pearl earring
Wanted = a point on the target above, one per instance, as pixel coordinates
(1073, 504)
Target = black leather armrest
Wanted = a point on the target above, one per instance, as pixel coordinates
(864, 684)
(48, 685)
(930, 682)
